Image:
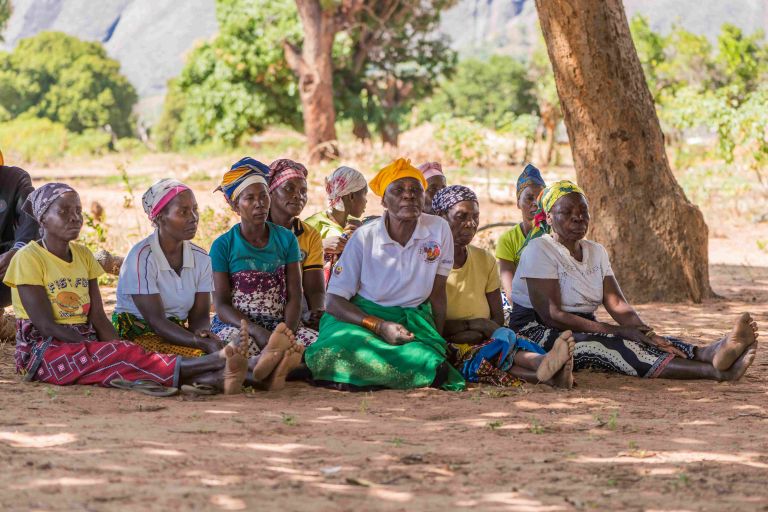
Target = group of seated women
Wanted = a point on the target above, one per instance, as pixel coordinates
(398, 301)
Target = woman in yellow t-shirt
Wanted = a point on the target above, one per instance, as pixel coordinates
(510, 244)
(482, 349)
(288, 193)
(63, 335)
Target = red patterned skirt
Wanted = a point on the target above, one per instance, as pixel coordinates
(88, 362)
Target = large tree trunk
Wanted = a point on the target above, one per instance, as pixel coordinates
(313, 66)
(656, 238)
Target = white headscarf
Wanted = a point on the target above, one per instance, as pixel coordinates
(343, 181)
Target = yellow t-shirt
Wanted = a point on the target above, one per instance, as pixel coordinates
(467, 286)
(65, 283)
(310, 245)
(510, 243)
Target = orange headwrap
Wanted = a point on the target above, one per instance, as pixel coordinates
(400, 168)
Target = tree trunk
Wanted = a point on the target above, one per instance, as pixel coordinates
(313, 66)
(656, 238)
(360, 129)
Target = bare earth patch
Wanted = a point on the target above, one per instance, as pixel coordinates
(611, 443)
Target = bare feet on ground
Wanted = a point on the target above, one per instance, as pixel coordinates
(236, 366)
(739, 367)
(564, 378)
(555, 359)
(742, 336)
(291, 360)
(282, 339)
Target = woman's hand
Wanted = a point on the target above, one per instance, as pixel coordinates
(484, 326)
(313, 322)
(208, 345)
(334, 244)
(664, 344)
(395, 334)
(635, 334)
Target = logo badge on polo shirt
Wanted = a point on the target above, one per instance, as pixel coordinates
(337, 269)
(431, 251)
(303, 255)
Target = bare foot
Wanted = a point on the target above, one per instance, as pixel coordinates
(743, 335)
(739, 367)
(282, 339)
(564, 378)
(236, 367)
(291, 360)
(555, 359)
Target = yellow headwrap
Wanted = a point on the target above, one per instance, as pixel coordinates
(400, 168)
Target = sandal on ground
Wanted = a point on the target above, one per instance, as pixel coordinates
(147, 387)
(199, 389)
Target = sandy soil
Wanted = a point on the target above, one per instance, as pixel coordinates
(613, 443)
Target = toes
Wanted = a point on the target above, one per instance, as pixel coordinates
(283, 329)
(566, 334)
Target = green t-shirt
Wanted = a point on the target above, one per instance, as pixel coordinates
(325, 225)
(510, 243)
(232, 253)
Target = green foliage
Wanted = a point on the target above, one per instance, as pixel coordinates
(89, 143)
(238, 83)
(33, 140)
(461, 140)
(742, 59)
(485, 91)
(5, 13)
(388, 61)
(59, 77)
(700, 89)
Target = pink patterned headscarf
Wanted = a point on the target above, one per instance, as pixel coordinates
(160, 194)
(283, 170)
(343, 181)
(431, 169)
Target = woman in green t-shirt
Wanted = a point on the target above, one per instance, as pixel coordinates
(347, 197)
(529, 186)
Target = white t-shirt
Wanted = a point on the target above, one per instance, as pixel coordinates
(581, 282)
(383, 271)
(146, 271)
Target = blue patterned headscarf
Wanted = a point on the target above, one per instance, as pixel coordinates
(529, 176)
(448, 197)
(245, 170)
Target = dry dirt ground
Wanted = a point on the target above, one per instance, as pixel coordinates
(612, 443)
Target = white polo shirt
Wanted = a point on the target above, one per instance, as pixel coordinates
(581, 282)
(383, 271)
(146, 271)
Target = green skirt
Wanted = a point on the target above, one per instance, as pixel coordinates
(350, 354)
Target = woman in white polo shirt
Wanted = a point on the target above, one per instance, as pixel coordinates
(386, 299)
(563, 278)
(165, 284)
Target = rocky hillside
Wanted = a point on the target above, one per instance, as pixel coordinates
(151, 37)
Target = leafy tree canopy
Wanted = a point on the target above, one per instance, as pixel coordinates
(59, 77)
(486, 91)
(238, 83)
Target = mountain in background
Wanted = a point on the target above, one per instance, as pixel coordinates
(150, 38)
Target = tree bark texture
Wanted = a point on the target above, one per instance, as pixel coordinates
(656, 238)
(313, 66)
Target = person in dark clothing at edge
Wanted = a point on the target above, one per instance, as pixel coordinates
(17, 227)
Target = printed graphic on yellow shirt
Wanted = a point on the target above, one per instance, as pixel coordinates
(71, 304)
(431, 251)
